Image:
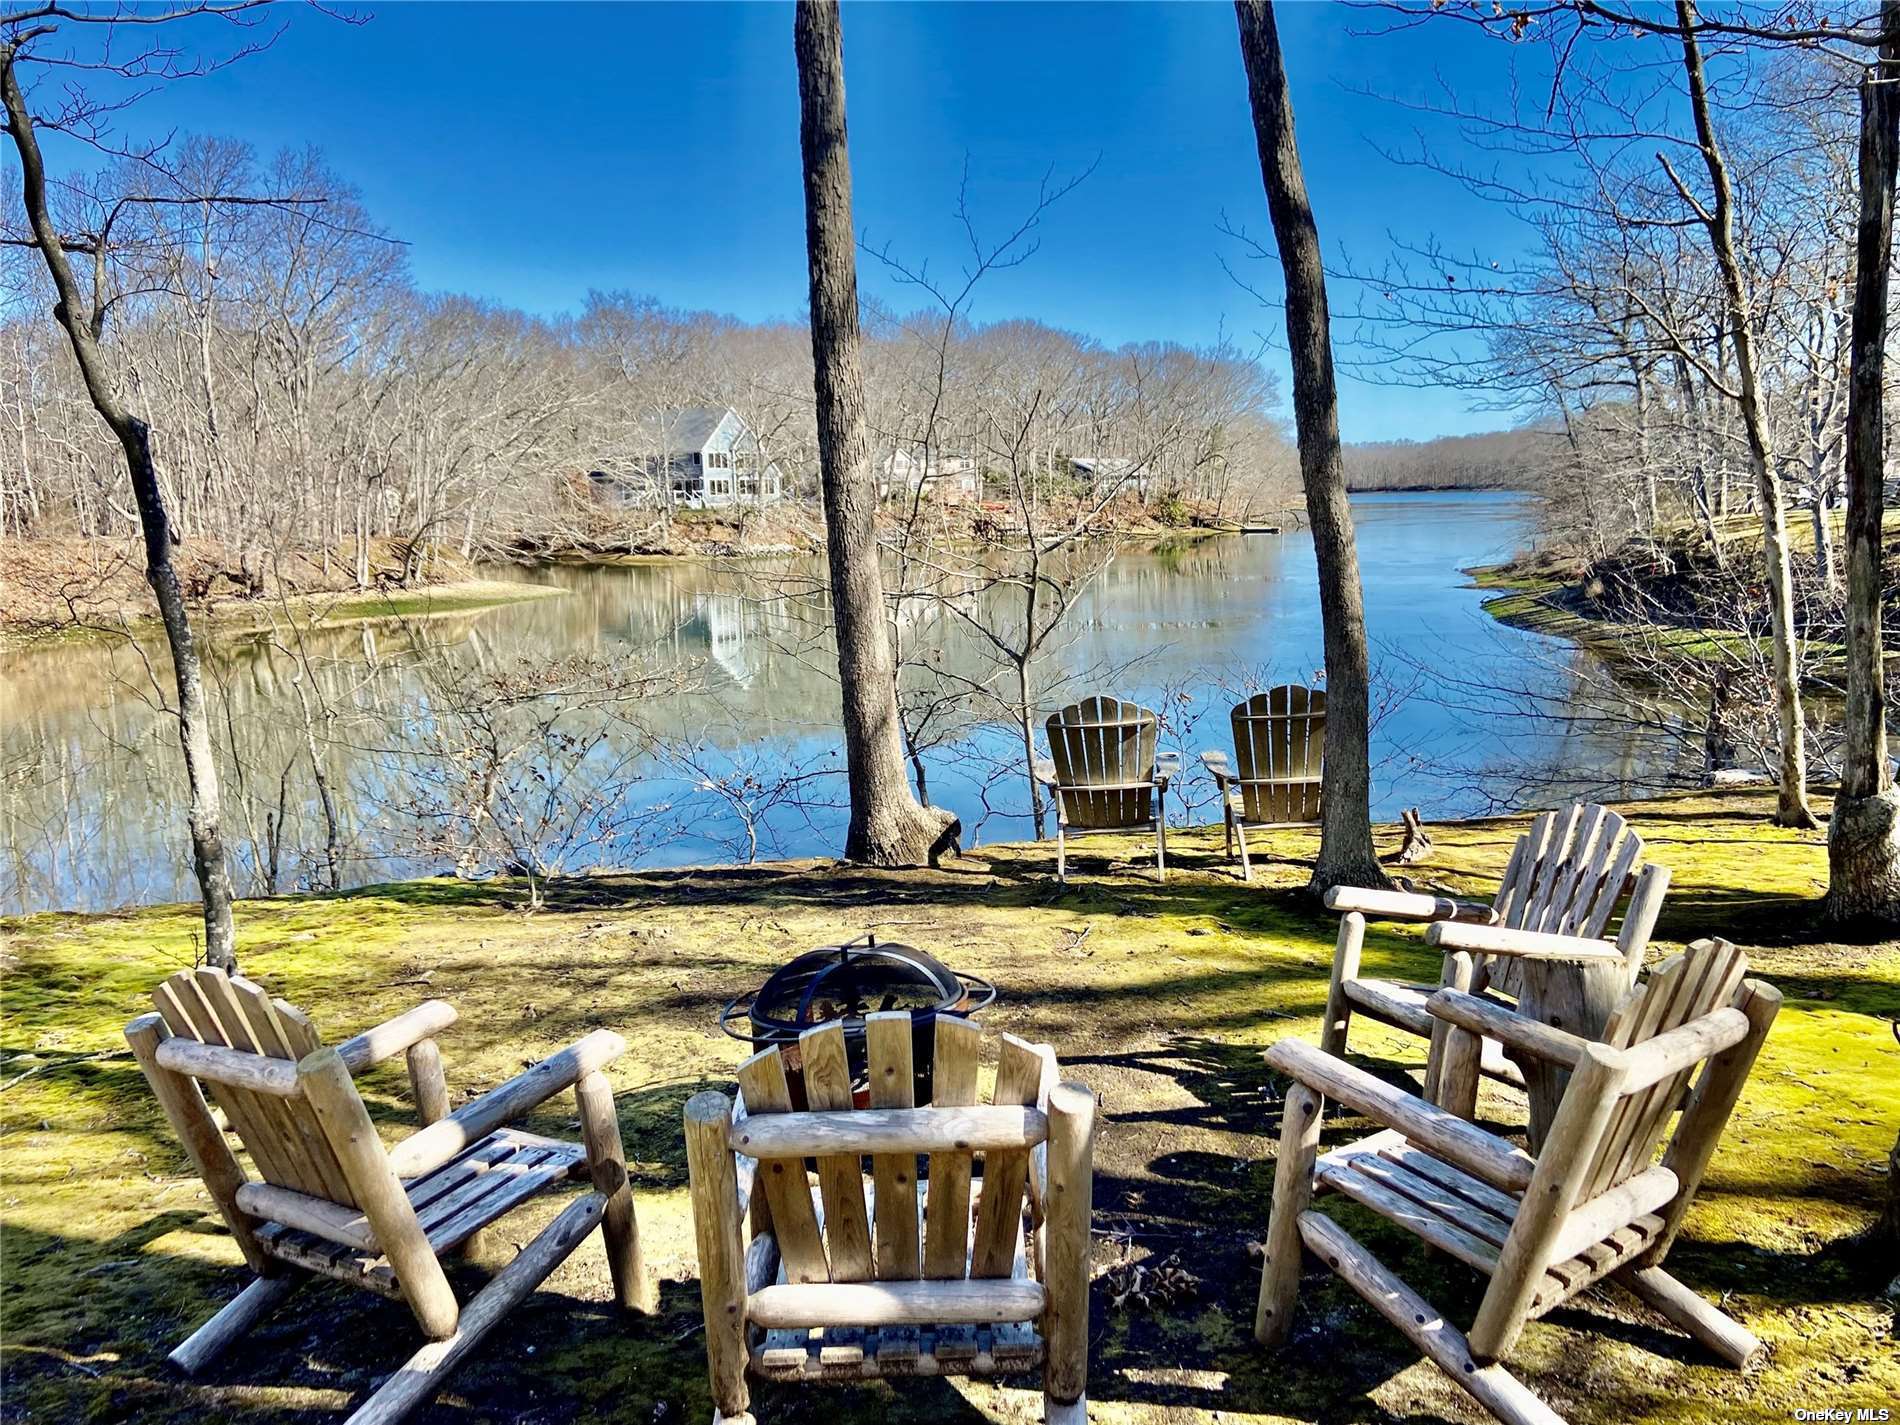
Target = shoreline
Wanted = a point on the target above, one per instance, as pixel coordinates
(972, 860)
(1523, 599)
(471, 590)
(235, 618)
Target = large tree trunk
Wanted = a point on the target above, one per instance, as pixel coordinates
(888, 827)
(1346, 854)
(204, 814)
(1792, 805)
(1863, 839)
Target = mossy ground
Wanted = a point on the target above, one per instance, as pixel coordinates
(1160, 997)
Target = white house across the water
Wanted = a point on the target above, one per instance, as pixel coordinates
(708, 454)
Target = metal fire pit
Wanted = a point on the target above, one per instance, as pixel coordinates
(846, 982)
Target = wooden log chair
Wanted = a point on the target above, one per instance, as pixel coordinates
(837, 1282)
(329, 1199)
(1594, 1203)
(1105, 773)
(1279, 751)
(1559, 893)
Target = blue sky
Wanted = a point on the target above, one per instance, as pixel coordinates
(529, 153)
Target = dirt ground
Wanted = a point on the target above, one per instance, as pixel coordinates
(1159, 997)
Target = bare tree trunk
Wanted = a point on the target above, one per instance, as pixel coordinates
(1863, 841)
(1792, 805)
(204, 814)
(1025, 723)
(1346, 854)
(888, 827)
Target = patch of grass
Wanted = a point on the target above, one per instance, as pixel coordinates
(374, 606)
(1158, 996)
(1529, 603)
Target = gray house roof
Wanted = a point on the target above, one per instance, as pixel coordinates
(689, 430)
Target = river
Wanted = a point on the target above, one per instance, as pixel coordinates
(729, 749)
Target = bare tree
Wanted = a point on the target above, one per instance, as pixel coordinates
(1863, 841)
(82, 318)
(888, 826)
(1718, 217)
(1346, 855)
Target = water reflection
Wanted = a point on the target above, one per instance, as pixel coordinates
(733, 750)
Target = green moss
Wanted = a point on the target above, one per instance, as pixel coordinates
(1159, 996)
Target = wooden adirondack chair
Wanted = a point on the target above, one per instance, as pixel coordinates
(1560, 891)
(838, 1283)
(1106, 774)
(1279, 748)
(330, 1200)
(1593, 1204)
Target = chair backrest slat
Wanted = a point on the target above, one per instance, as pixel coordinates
(1279, 754)
(1108, 744)
(765, 1088)
(1621, 872)
(893, 1084)
(840, 1175)
(958, 1047)
(999, 1216)
(1684, 988)
(1514, 891)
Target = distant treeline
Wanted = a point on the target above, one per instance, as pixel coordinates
(1498, 460)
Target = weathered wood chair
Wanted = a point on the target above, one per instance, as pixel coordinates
(330, 1199)
(1279, 750)
(1560, 891)
(1105, 773)
(837, 1283)
(1593, 1204)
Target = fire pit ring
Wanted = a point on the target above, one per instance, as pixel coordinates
(845, 983)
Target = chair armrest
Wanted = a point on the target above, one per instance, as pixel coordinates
(1405, 905)
(1167, 768)
(1443, 1133)
(1517, 1031)
(1216, 763)
(433, 1146)
(396, 1036)
(1044, 771)
(1523, 944)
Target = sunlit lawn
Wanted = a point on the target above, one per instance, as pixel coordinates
(1158, 996)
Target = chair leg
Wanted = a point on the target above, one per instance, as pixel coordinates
(1240, 835)
(1346, 951)
(607, 1163)
(244, 1311)
(1707, 1324)
(422, 1375)
(1227, 826)
(1292, 1191)
(1493, 1387)
(1062, 856)
(1074, 1412)
(1161, 847)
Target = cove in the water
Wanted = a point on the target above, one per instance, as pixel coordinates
(92, 815)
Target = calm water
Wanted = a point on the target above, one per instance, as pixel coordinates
(743, 758)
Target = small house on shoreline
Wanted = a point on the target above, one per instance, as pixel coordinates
(951, 479)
